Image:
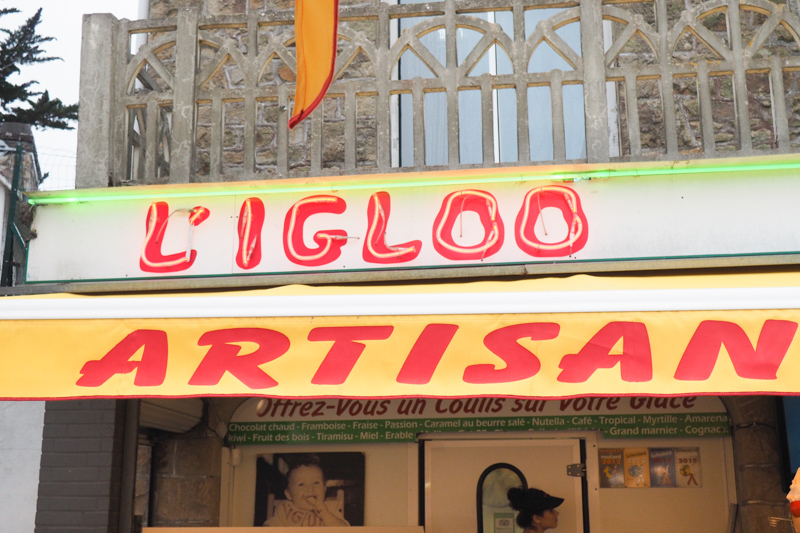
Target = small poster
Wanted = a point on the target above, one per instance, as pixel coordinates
(611, 471)
(662, 467)
(637, 467)
(687, 463)
(504, 523)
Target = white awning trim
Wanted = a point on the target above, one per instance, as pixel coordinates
(415, 303)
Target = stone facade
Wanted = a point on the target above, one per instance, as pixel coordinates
(186, 472)
(187, 480)
(683, 79)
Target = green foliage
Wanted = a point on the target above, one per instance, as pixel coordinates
(19, 102)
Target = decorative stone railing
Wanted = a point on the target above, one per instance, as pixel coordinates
(207, 98)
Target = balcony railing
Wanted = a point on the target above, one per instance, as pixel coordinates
(451, 84)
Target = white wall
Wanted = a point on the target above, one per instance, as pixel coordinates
(21, 426)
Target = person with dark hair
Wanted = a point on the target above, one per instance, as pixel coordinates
(537, 509)
(305, 497)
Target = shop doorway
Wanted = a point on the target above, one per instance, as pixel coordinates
(453, 469)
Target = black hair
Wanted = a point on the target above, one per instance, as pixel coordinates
(531, 502)
(306, 459)
(519, 502)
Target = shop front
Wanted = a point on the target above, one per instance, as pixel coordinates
(617, 461)
(422, 403)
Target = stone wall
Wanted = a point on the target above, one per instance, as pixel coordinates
(692, 49)
(167, 8)
(268, 112)
(187, 473)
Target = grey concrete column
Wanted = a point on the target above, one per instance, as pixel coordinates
(740, 79)
(594, 81)
(185, 85)
(97, 97)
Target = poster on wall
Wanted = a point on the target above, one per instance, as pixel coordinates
(690, 474)
(309, 489)
(611, 468)
(662, 467)
(637, 469)
(649, 468)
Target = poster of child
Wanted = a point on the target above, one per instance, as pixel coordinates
(309, 489)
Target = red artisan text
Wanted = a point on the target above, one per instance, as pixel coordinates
(512, 363)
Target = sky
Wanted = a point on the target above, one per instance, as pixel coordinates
(62, 20)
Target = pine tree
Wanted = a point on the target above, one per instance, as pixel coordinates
(22, 47)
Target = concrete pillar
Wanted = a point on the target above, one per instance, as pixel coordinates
(594, 81)
(184, 106)
(97, 98)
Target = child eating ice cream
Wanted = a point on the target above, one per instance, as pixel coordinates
(305, 498)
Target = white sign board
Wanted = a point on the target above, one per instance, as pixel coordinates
(139, 235)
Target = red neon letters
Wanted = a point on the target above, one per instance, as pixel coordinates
(447, 231)
(152, 260)
(562, 198)
(375, 248)
(329, 242)
(421, 362)
(453, 206)
(251, 220)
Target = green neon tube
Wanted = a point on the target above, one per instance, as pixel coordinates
(74, 196)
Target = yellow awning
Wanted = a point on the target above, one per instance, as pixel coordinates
(549, 338)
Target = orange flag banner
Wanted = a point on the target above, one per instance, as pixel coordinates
(316, 32)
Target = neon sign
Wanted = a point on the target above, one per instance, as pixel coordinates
(447, 227)
(251, 221)
(442, 220)
(152, 259)
(375, 248)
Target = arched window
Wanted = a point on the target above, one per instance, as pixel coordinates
(494, 514)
